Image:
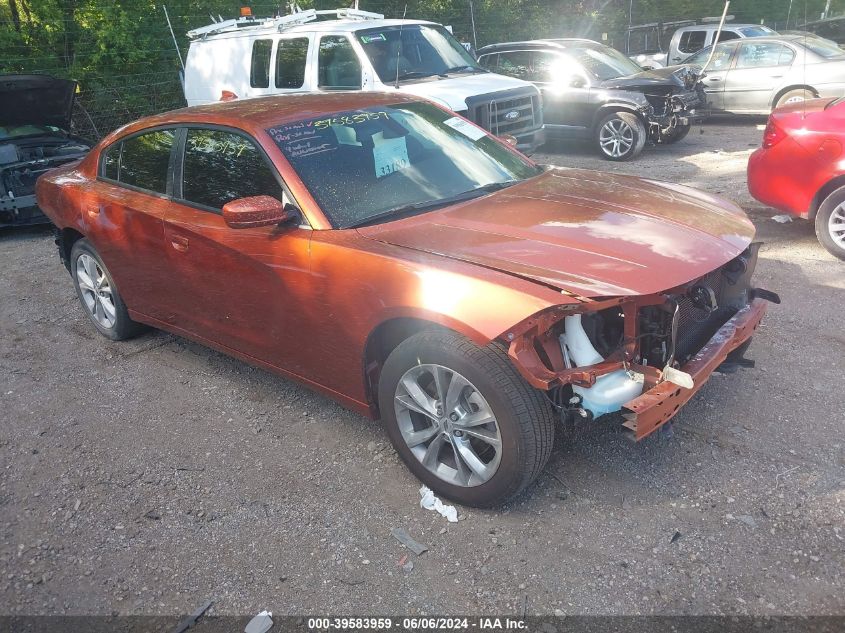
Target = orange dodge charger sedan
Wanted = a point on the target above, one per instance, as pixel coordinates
(406, 263)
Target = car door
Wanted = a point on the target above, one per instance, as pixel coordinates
(565, 88)
(716, 71)
(238, 288)
(125, 216)
(759, 67)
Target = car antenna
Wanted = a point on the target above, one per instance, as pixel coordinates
(716, 37)
(399, 48)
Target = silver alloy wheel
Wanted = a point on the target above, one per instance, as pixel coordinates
(96, 291)
(616, 138)
(448, 425)
(836, 226)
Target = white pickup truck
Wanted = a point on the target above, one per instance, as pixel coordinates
(250, 57)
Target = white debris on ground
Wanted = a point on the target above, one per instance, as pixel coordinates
(261, 623)
(430, 501)
(782, 219)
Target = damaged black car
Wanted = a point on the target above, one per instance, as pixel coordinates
(35, 115)
(591, 91)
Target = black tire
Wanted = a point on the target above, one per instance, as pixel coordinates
(834, 204)
(122, 327)
(679, 132)
(792, 96)
(524, 419)
(632, 130)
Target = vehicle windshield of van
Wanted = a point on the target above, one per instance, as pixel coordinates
(415, 51)
(603, 63)
(378, 164)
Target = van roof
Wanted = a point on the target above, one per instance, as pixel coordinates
(321, 26)
(265, 112)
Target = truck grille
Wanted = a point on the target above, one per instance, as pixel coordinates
(511, 112)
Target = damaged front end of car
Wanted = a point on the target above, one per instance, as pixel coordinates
(676, 100)
(640, 356)
(35, 113)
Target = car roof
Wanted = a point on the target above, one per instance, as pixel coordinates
(713, 27)
(558, 43)
(269, 111)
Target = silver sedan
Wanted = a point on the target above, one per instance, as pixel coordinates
(755, 75)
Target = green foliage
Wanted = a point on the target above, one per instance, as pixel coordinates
(123, 55)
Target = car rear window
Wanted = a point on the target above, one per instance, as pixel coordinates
(221, 166)
(364, 163)
(145, 159)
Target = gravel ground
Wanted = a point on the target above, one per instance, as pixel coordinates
(147, 476)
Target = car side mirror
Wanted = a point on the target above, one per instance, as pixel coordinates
(575, 81)
(255, 211)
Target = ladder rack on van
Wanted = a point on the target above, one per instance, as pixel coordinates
(282, 22)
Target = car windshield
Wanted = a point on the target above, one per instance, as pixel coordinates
(415, 51)
(822, 48)
(756, 31)
(17, 131)
(603, 63)
(376, 164)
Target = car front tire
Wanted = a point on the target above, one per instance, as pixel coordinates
(830, 223)
(620, 136)
(462, 418)
(98, 294)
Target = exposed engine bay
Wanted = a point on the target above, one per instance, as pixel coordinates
(22, 161)
(35, 116)
(598, 361)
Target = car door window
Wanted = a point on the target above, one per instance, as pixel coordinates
(546, 67)
(516, 64)
(339, 66)
(692, 41)
(291, 56)
(721, 58)
(763, 54)
(726, 36)
(221, 166)
(490, 62)
(143, 162)
(259, 70)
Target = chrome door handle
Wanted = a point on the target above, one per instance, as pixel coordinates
(715, 79)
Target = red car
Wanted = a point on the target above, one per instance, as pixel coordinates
(404, 262)
(801, 167)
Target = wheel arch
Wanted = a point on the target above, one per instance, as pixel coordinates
(821, 195)
(786, 89)
(610, 108)
(65, 239)
(389, 334)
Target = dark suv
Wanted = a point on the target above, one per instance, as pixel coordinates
(595, 92)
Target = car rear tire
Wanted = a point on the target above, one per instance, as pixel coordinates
(830, 223)
(795, 96)
(620, 136)
(463, 419)
(98, 294)
(679, 132)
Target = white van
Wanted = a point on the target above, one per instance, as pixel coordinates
(250, 57)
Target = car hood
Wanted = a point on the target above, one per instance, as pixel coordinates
(584, 232)
(453, 91)
(668, 78)
(36, 100)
